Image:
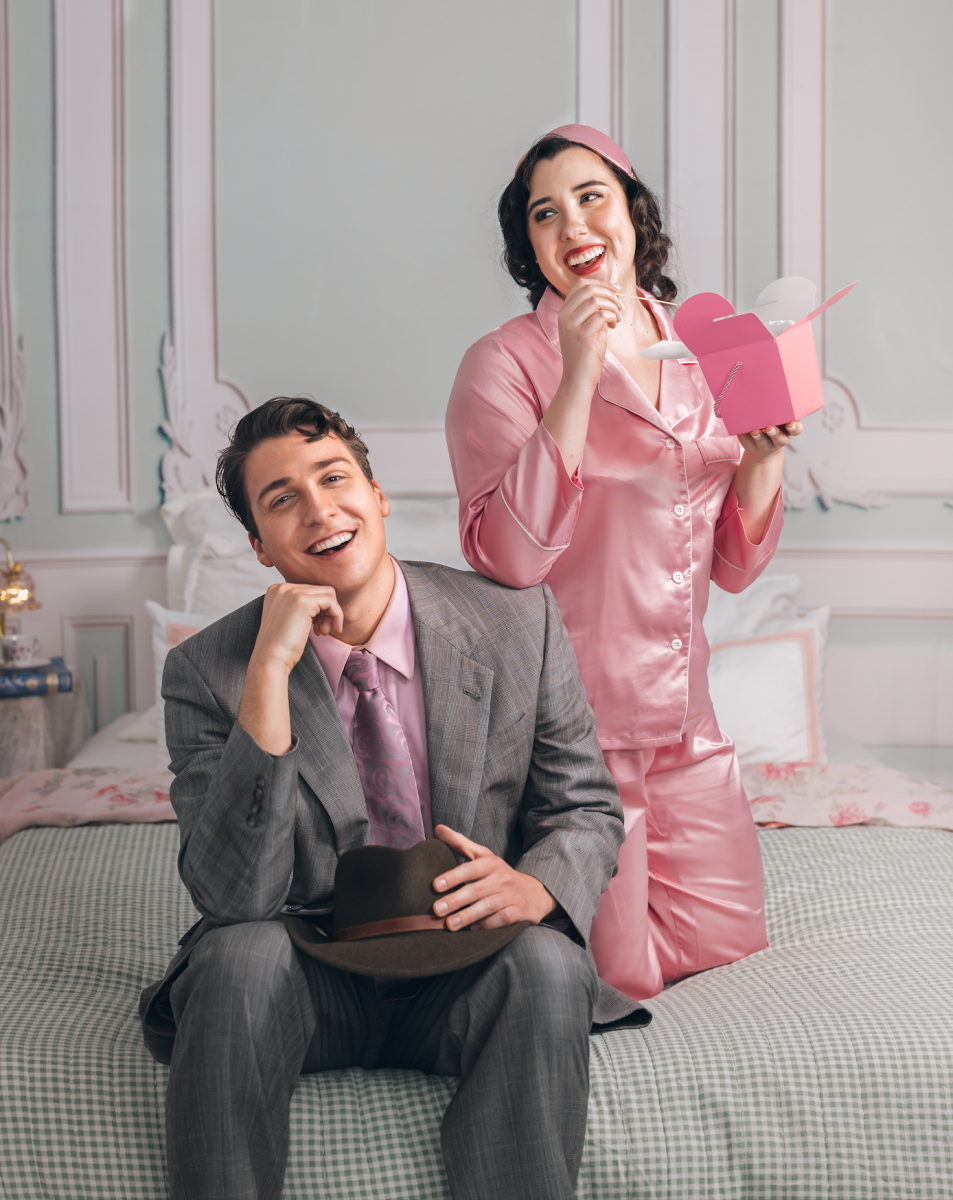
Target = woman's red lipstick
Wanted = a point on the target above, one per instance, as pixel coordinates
(589, 267)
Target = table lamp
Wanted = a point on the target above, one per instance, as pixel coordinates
(17, 589)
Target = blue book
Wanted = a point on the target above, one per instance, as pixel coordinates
(37, 681)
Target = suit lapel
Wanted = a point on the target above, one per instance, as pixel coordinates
(325, 759)
(457, 694)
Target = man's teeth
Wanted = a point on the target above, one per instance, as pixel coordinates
(586, 256)
(331, 543)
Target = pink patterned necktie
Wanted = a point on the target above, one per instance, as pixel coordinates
(383, 759)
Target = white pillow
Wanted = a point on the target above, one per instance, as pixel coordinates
(190, 518)
(169, 629)
(192, 515)
(767, 605)
(224, 575)
(767, 691)
(142, 729)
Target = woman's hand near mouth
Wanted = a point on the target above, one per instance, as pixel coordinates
(290, 612)
(590, 310)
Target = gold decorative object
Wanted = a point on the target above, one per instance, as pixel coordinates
(17, 589)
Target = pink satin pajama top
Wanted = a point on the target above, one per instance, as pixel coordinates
(629, 545)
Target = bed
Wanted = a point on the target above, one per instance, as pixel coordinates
(821, 1067)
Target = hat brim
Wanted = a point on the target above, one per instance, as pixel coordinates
(413, 955)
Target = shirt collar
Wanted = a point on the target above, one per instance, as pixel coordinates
(393, 641)
(679, 394)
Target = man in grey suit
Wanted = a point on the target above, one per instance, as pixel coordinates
(268, 794)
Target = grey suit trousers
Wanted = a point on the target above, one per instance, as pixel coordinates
(252, 1013)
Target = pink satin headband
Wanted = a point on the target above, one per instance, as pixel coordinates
(585, 135)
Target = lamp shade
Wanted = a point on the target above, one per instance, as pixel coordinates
(17, 589)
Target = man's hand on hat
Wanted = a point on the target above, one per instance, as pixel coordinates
(493, 893)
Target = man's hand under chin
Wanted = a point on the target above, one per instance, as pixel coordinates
(290, 612)
(493, 895)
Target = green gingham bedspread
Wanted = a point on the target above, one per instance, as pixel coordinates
(821, 1067)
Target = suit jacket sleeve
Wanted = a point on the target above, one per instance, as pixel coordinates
(235, 803)
(571, 816)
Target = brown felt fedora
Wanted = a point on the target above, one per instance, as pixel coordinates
(384, 922)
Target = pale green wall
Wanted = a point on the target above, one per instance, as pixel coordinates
(44, 527)
(361, 150)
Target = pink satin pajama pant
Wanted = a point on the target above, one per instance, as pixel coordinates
(689, 893)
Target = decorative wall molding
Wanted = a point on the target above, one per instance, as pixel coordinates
(14, 468)
(885, 582)
(701, 183)
(840, 456)
(201, 406)
(83, 585)
(87, 560)
(95, 468)
(73, 625)
(600, 70)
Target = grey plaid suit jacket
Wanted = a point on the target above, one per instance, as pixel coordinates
(514, 765)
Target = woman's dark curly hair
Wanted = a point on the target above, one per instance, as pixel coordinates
(652, 246)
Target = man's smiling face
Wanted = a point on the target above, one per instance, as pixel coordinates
(319, 519)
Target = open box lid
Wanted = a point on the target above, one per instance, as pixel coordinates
(707, 323)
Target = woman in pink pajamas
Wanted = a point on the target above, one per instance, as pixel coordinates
(609, 477)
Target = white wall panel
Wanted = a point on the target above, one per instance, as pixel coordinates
(90, 258)
(700, 191)
(601, 67)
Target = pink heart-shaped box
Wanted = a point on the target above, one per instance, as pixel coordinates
(757, 379)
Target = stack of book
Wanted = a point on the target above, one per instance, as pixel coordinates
(36, 681)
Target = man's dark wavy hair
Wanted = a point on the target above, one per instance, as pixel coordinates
(276, 418)
(652, 246)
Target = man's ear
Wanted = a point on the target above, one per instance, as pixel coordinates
(260, 551)
(383, 502)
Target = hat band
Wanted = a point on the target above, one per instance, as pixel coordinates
(355, 933)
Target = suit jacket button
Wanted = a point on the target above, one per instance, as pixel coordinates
(260, 781)
(253, 821)
(255, 809)
(258, 793)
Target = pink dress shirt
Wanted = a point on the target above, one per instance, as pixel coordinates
(395, 645)
(629, 545)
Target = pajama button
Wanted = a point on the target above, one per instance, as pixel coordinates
(678, 577)
(670, 442)
(676, 643)
(679, 510)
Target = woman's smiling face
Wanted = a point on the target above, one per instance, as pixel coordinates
(578, 221)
